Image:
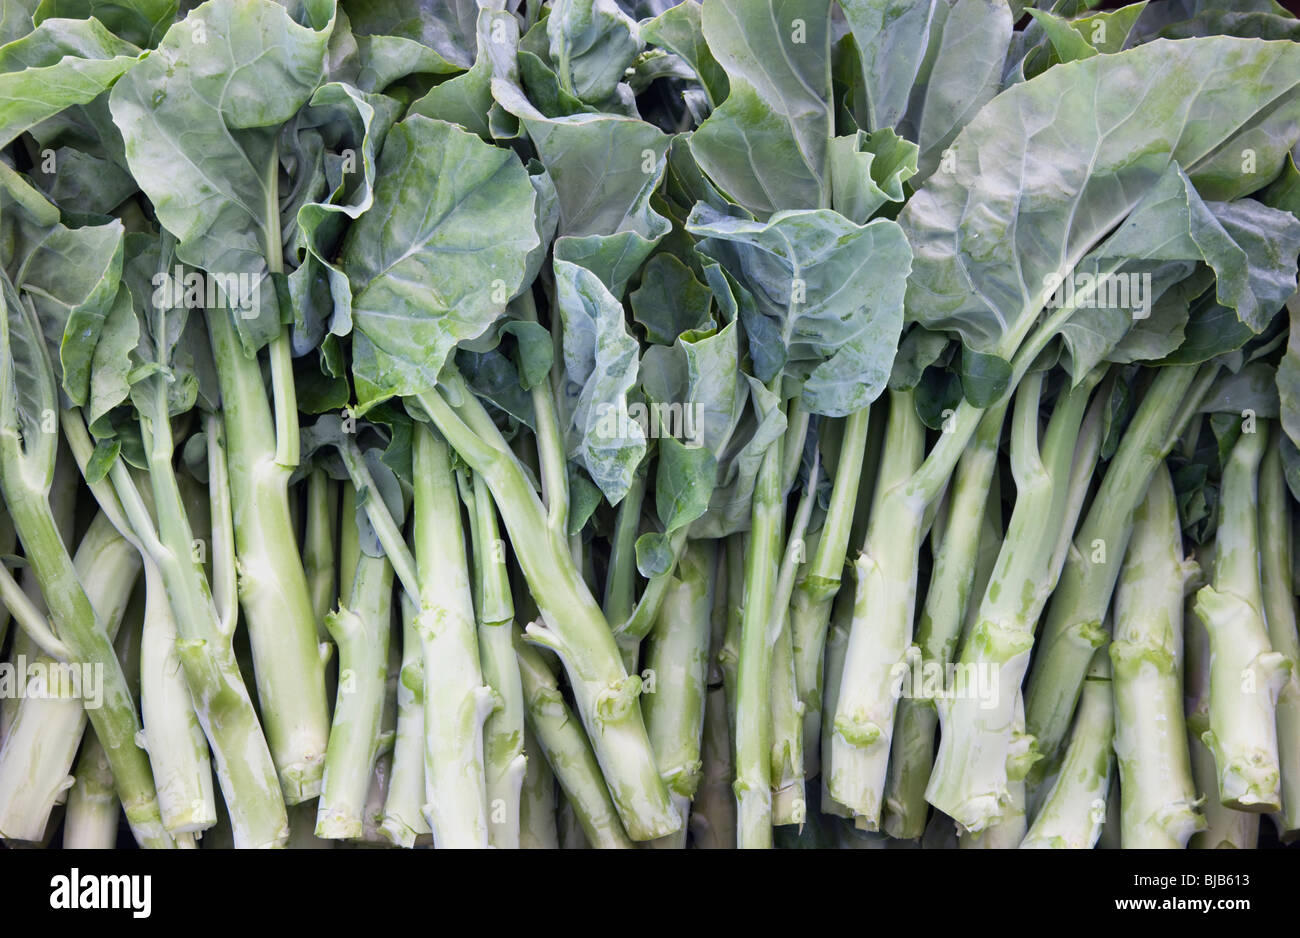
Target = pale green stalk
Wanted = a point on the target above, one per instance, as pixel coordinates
(1246, 674)
(90, 820)
(940, 625)
(1157, 794)
(1073, 629)
(177, 750)
(620, 580)
(713, 813)
(789, 804)
(972, 768)
(361, 629)
(537, 827)
(574, 626)
(810, 612)
(677, 657)
(567, 751)
(1225, 828)
(8, 543)
(456, 699)
(39, 750)
(754, 670)
(318, 546)
(881, 628)
(503, 732)
(729, 653)
(1072, 815)
(245, 771)
(404, 820)
(1007, 832)
(837, 644)
(262, 451)
(1275, 535)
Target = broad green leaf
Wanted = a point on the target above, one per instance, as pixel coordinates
(961, 72)
(70, 277)
(654, 554)
(918, 350)
(111, 362)
(445, 26)
(592, 44)
(670, 300)
(604, 168)
(28, 393)
(600, 368)
(142, 22)
(765, 146)
(679, 29)
(868, 170)
(891, 37)
(1253, 389)
(350, 126)
(1034, 189)
(200, 116)
(60, 64)
(827, 299)
(443, 249)
(465, 99)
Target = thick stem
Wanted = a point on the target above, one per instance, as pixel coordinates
(1157, 794)
(568, 752)
(753, 784)
(273, 591)
(575, 627)
(789, 805)
(1275, 538)
(1246, 674)
(537, 827)
(977, 712)
(1072, 815)
(403, 819)
(677, 660)
(42, 742)
(90, 821)
(1073, 630)
(882, 621)
(810, 613)
(244, 767)
(503, 732)
(177, 750)
(456, 700)
(713, 813)
(361, 629)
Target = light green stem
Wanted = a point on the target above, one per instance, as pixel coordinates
(537, 828)
(753, 785)
(1275, 535)
(42, 742)
(503, 732)
(1246, 674)
(403, 819)
(361, 629)
(177, 750)
(810, 612)
(977, 713)
(456, 700)
(273, 591)
(1072, 815)
(90, 821)
(567, 752)
(789, 804)
(574, 625)
(677, 658)
(882, 621)
(713, 813)
(318, 546)
(1157, 794)
(1073, 630)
